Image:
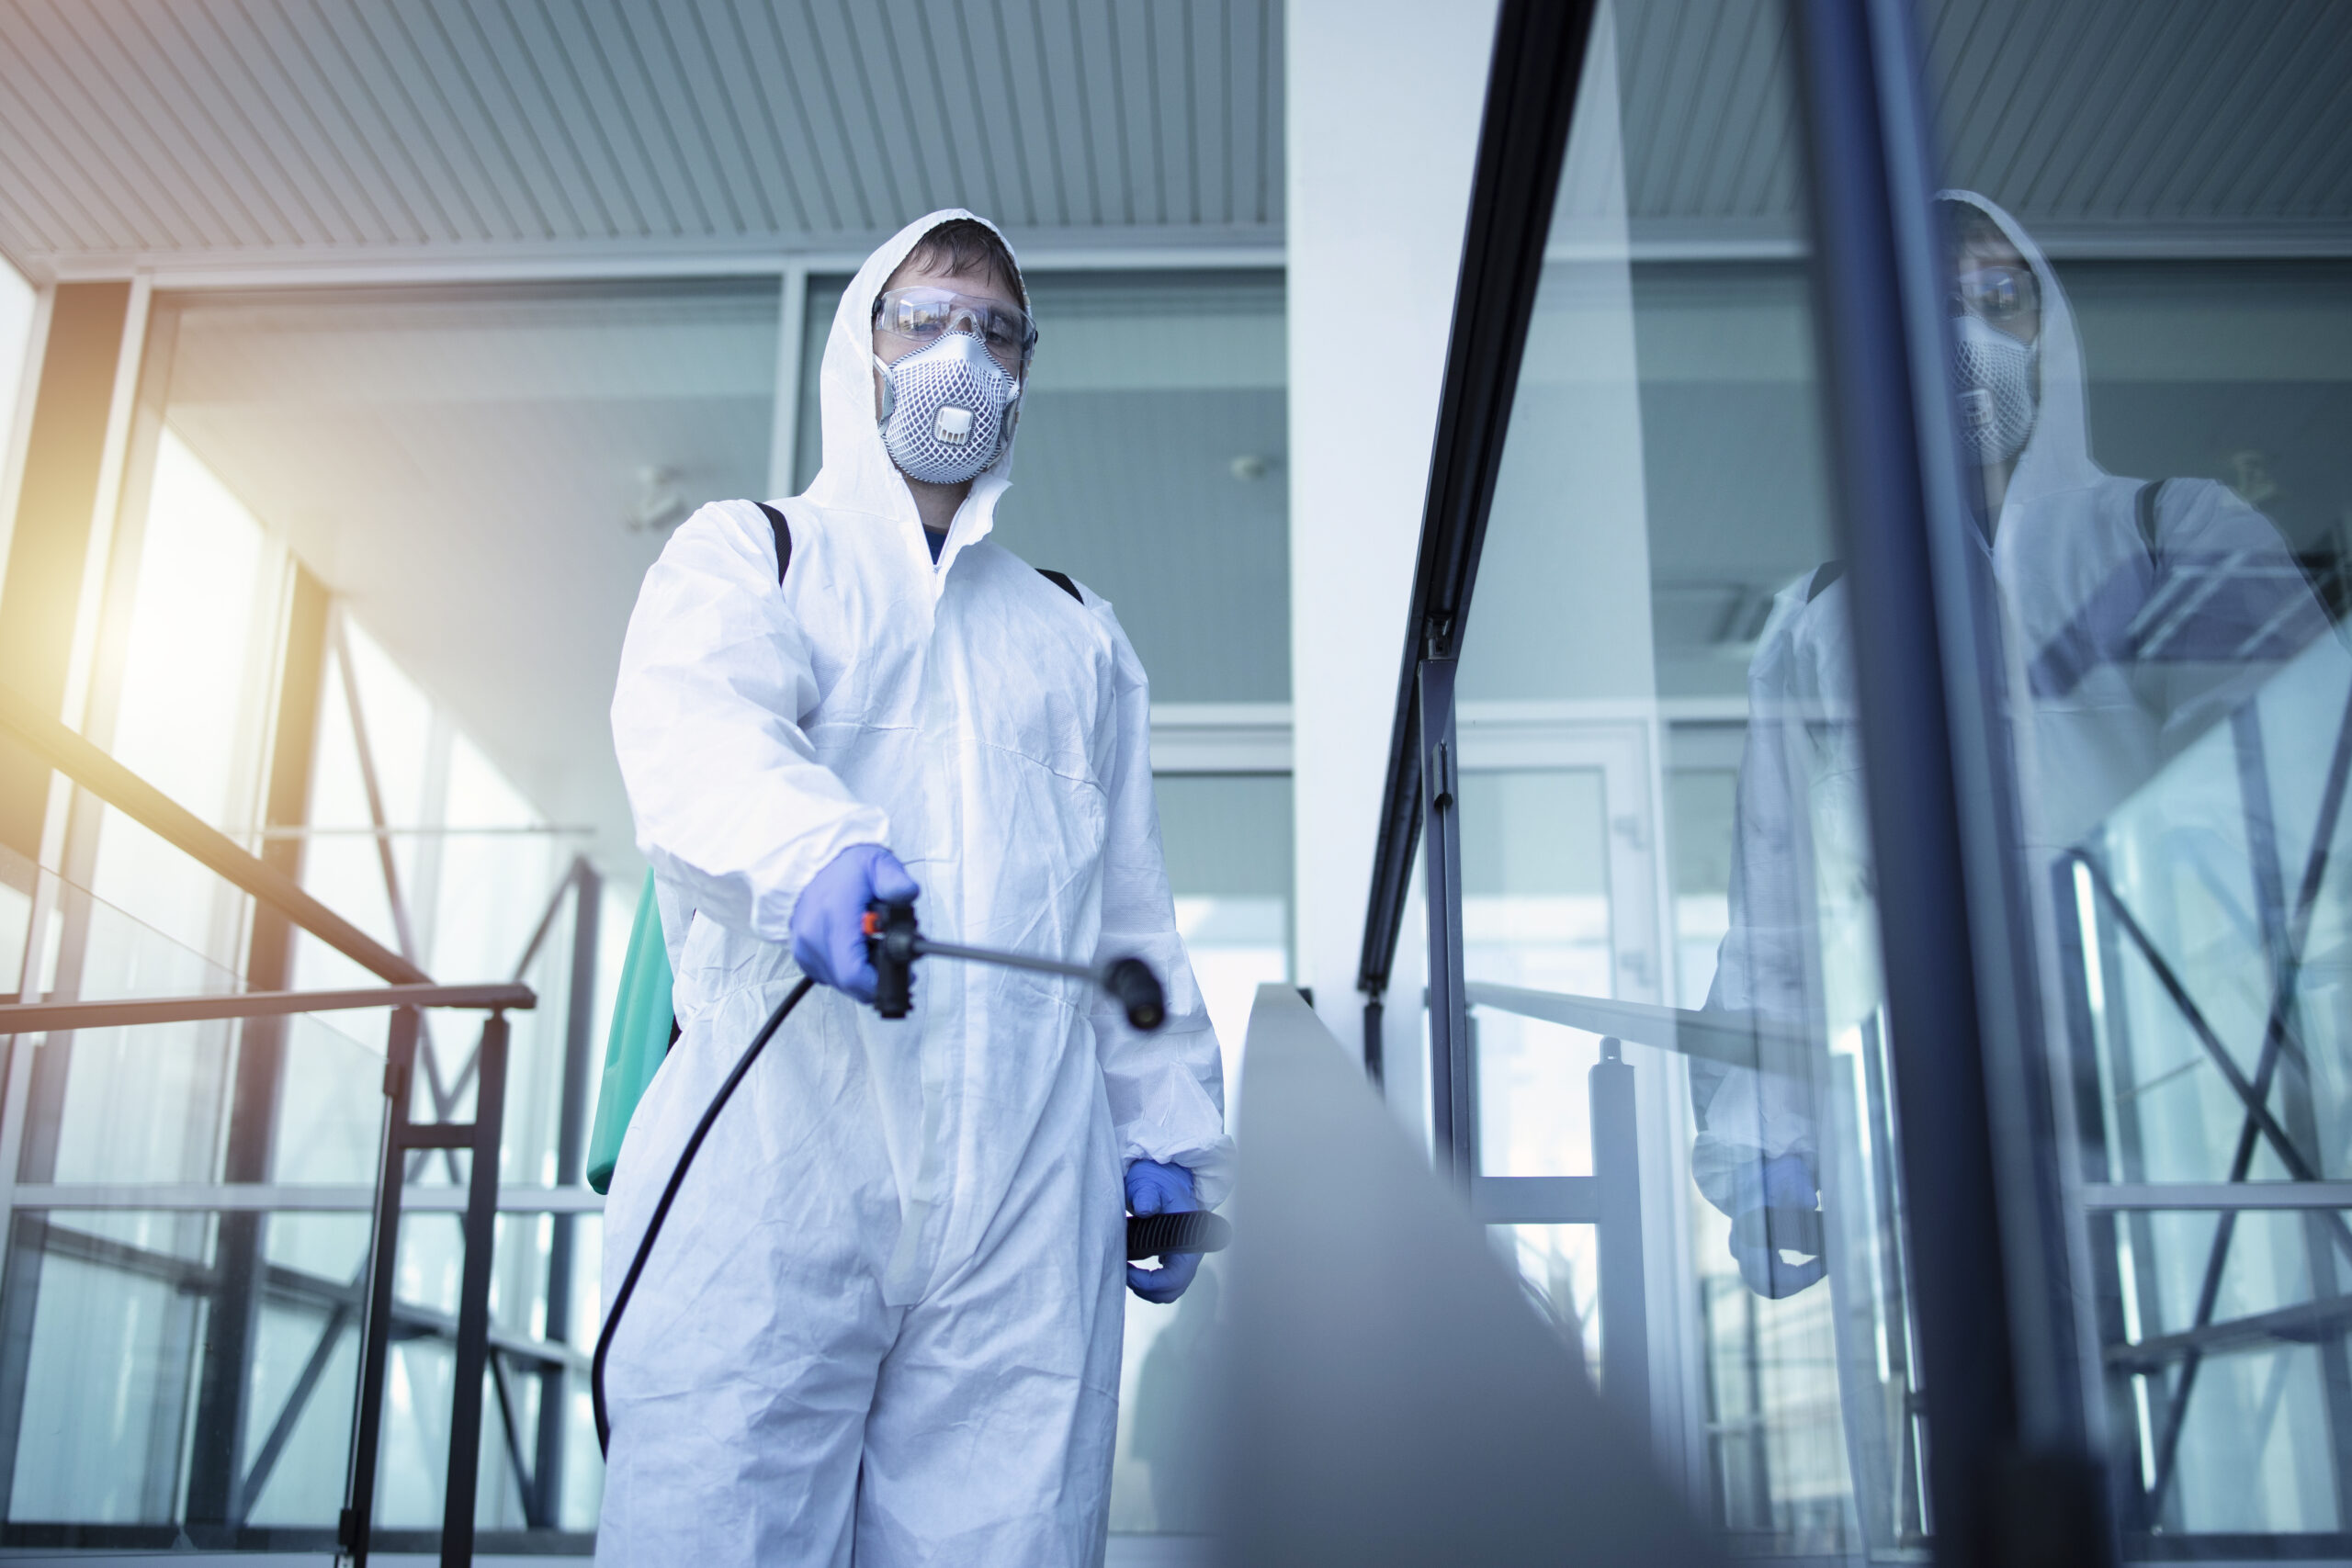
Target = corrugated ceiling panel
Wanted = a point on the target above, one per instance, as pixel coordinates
(261, 130)
(282, 128)
(2135, 113)
(2122, 116)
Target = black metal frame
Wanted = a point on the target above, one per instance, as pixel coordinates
(1530, 98)
(1533, 79)
(1872, 233)
(403, 1137)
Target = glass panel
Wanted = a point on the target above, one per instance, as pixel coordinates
(100, 1357)
(118, 1310)
(1535, 912)
(1561, 1267)
(2152, 317)
(1227, 840)
(112, 1325)
(190, 706)
(1660, 805)
(1168, 390)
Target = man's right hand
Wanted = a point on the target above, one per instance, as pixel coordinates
(828, 921)
(1777, 1212)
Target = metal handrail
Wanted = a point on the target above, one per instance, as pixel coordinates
(95, 770)
(31, 1018)
(2227, 1197)
(291, 1197)
(410, 989)
(1733, 1038)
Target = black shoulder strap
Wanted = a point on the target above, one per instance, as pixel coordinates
(783, 533)
(2146, 506)
(1830, 572)
(1061, 580)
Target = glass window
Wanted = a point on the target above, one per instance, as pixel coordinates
(1664, 846)
(479, 477)
(190, 705)
(1150, 465)
(2151, 310)
(1227, 840)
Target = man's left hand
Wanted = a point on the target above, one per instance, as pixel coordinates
(1157, 1188)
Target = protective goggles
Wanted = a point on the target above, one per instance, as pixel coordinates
(2003, 297)
(921, 316)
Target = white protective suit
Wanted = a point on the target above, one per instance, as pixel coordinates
(882, 1322)
(2111, 702)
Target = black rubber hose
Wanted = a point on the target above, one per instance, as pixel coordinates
(1187, 1230)
(662, 1210)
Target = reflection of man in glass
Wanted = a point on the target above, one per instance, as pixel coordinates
(2137, 614)
(1174, 1431)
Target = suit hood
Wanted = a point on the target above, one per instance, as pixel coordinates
(856, 474)
(2057, 457)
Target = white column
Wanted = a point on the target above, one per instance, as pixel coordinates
(1383, 109)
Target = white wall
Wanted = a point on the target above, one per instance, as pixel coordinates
(1382, 103)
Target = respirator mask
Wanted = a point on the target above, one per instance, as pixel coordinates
(948, 408)
(1996, 377)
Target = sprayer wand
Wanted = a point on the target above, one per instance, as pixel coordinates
(894, 944)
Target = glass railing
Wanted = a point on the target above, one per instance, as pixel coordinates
(190, 1206)
(1925, 771)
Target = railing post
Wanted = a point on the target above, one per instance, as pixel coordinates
(219, 1491)
(473, 1298)
(376, 1338)
(546, 1494)
(1624, 1307)
(1452, 1105)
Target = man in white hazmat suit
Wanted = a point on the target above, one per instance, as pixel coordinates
(2136, 614)
(882, 1322)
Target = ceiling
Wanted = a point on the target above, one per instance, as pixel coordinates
(256, 134)
(244, 132)
(2109, 126)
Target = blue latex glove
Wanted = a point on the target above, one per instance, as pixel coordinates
(1783, 1187)
(1157, 1188)
(829, 922)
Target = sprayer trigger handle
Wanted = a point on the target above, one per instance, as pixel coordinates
(890, 945)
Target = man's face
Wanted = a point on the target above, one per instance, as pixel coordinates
(1992, 282)
(890, 348)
